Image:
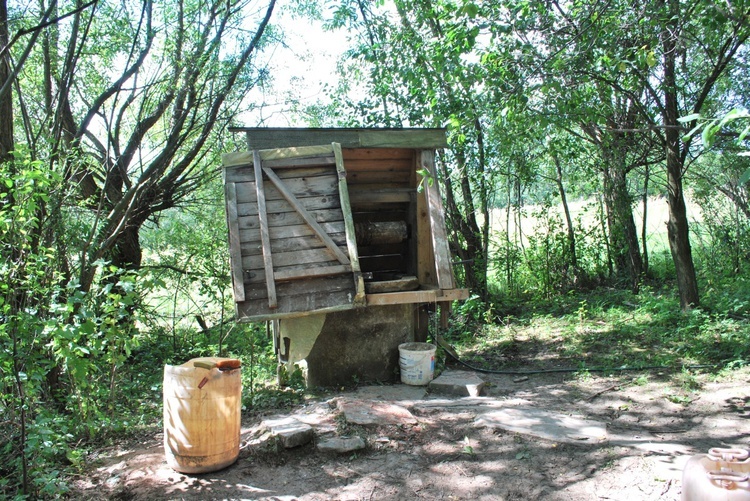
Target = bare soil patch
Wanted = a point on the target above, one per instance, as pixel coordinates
(655, 422)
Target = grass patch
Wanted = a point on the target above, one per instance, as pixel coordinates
(604, 328)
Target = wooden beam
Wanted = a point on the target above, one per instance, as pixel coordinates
(320, 232)
(405, 297)
(425, 258)
(351, 241)
(285, 137)
(264, 236)
(437, 224)
(235, 246)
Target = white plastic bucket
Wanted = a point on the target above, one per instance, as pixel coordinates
(417, 363)
(720, 475)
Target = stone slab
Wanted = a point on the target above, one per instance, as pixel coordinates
(404, 393)
(367, 412)
(461, 383)
(290, 432)
(547, 425)
(341, 445)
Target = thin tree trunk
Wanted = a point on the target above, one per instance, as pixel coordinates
(508, 264)
(6, 99)
(677, 226)
(568, 219)
(644, 225)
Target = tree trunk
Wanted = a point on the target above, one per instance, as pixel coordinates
(127, 253)
(644, 226)
(6, 99)
(568, 220)
(623, 235)
(677, 227)
(464, 223)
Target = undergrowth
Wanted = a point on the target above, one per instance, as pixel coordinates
(606, 328)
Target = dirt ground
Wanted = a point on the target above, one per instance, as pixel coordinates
(655, 422)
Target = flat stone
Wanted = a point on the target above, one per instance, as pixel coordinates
(544, 424)
(341, 444)
(365, 412)
(290, 432)
(403, 393)
(461, 383)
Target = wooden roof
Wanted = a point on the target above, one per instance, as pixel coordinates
(259, 138)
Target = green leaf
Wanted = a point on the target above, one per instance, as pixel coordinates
(744, 178)
(708, 134)
(692, 132)
(744, 133)
(471, 10)
(651, 59)
(689, 118)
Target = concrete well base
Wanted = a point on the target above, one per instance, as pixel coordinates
(343, 347)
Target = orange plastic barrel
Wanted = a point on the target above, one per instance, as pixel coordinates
(720, 475)
(202, 415)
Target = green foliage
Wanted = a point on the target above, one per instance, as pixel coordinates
(609, 329)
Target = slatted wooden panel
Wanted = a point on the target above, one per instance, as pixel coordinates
(381, 189)
(289, 233)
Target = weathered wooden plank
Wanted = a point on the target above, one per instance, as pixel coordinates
(351, 241)
(405, 297)
(295, 163)
(405, 138)
(254, 248)
(290, 218)
(383, 166)
(247, 174)
(294, 258)
(235, 247)
(281, 232)
(293, 152)
(396, 179)
(280, 206)
(317, 285)
(452, 294)
(425, 255)
(301, 187)
(440, 248)
(341, 256)
(348, 138)
(318, 271)
(365, 195)
(337, 293)
(264, 235)
(291, 244)
(354, 154)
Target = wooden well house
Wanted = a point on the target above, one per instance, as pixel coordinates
(337, 236)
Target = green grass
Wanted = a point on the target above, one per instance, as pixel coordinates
(603, 328)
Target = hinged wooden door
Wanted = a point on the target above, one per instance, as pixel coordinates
(291, 235)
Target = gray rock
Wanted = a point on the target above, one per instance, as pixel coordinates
(367, 412)
(341, 445)
(461, 383)
(290, 432)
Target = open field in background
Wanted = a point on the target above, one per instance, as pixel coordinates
(587, 211)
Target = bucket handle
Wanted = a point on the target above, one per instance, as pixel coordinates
(728, 478)
(722, 454)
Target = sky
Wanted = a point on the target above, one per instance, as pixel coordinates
(300, 68)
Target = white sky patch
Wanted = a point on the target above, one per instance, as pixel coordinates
(301, 67)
